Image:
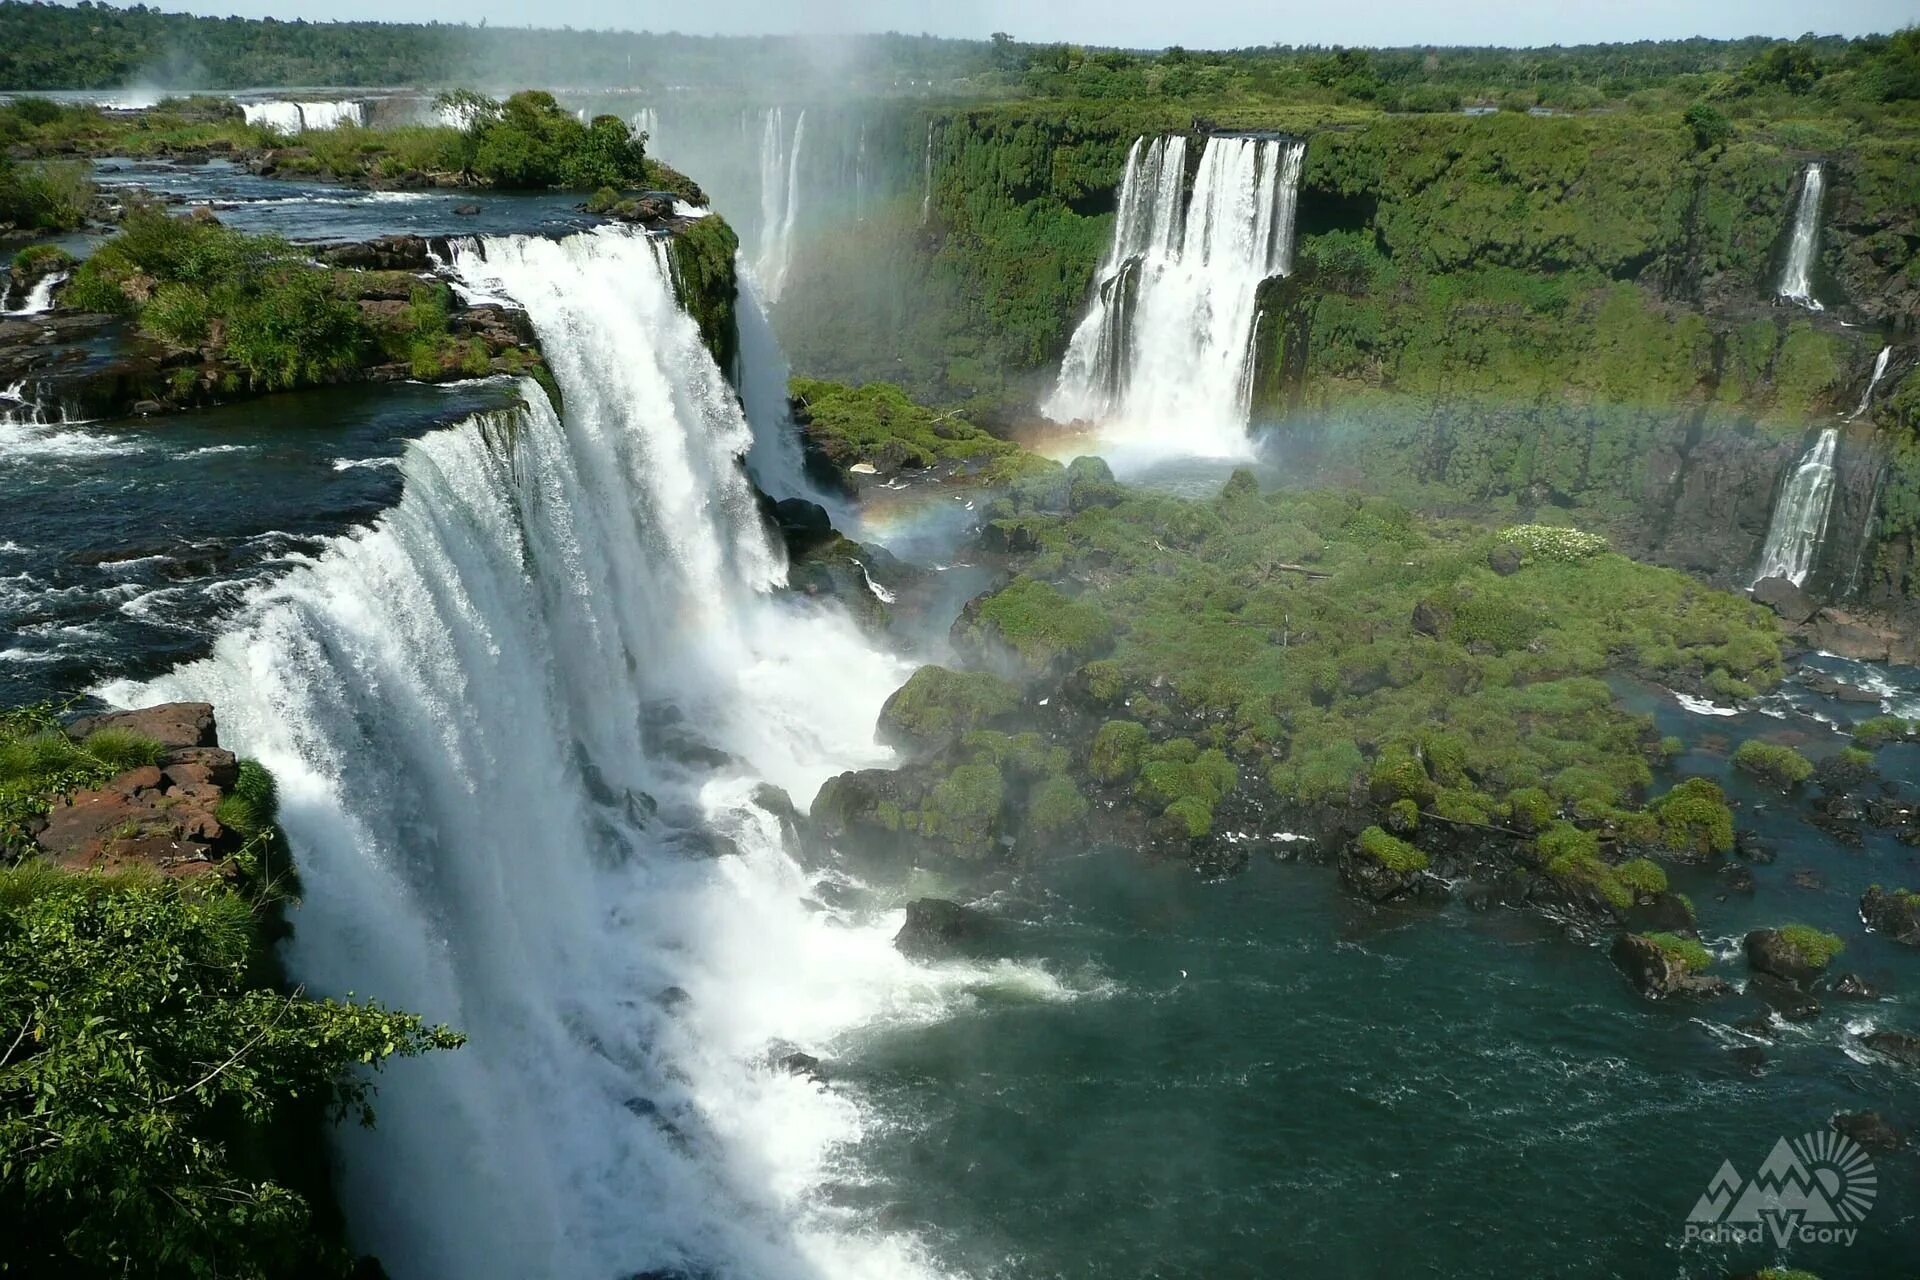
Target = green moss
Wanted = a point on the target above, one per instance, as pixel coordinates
(1878, 731)
(1391, 852)
(1694, 818)
(1055, 806)
(703, 278)
(1645, 877)
(1780, 765)
(937, 704)
(1118, 746)
(1817, 947)
(963, 809)
(1040, 623)
(1685, 954)
(1192, 816)
(878, 424)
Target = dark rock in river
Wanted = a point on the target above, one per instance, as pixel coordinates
(1769, 951)
(936, 927)
(1825, 685)
(1749, 845)
(1851, 986)
(1895, 913)
(803, 525)
(1871, 1130)
(1898, 1045)
(1739, 879)
(1784, 998)
(1785, 599)
(1656, 975)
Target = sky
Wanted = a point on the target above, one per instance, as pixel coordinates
(1147, 23)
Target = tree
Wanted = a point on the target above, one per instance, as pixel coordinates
(1710, 128)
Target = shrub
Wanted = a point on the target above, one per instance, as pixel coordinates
(1117, 749)
(1879, 731)
(1688, 955)
(1694, 818)
(1552, 543)
(1191, 815)
(1055, 805)
(1391, 852)
(937, 704)
(1642, 875)
(1816, 945)
(1770, 762)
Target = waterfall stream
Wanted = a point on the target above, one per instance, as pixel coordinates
(779, 198)
(523, 726)
(1162, 358)
(1800, 517)
(1796, 280)
(294, 117)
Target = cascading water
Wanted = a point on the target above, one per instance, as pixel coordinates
(521, 725)
(294, 117)
(1800, 517)
(1163, 357)
(779, 198)
(926, 178)
(1796, 280)
(1873, 382)
(39, 298)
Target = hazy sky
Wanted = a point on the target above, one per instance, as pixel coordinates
(1151, 23)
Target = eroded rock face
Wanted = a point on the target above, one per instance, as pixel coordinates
(1785, 599)
(172, 724)
(163, 816)
(1654, 974)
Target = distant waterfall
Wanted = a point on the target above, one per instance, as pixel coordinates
(647, 121)
(1796, 281)
(1873, 382)
(295, 117)
(926, 178)
(1163, 355)
(1800, 517)
(39, 298)
(520, 726)
(779, 199)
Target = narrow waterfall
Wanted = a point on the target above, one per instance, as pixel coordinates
(523, 726)
(39, 298)
(1796, 280)
(647, 121)
(761, 373)
(1800, 517)
(779, 198)
(926, 178)
(1163, 355)
(1873, 382)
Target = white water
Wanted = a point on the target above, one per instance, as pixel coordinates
(1873, 383)
(1800, 517)
(479, 710)
(294, 117)
(1162, 360)
(779, 199)
(39, 298)
(775, 460)
(647, 121)
(1796, 280)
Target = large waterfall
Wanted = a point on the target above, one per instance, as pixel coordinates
(1164, 352)
(523, 727)
(779, 198)
(294, 117)
(1796, 279)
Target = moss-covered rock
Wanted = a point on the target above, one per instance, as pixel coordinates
(703, 277)
(937, 705)
(1794, 953)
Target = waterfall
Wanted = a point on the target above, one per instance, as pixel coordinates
(295, 117)
(1163, 356)
(779, 198)
(1800, 517)
(647, 121)
(1879, 372)
(761, 373)
(1796, 281)
(926, 178)
(39, 298)
(520, 724)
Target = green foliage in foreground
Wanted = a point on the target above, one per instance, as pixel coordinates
(878, 423)
(144, 1060)
(1278, 631)
(1780, 765)
(1391, 852)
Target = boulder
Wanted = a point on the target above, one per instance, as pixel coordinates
(1373, 880)
(1851, 986)
(171, 724)
(1898, 1045)
(1431, 619)
(1785, 599)
(803, 525)
(1655, 975)
(383, 253)
(1895, 913)
(1871, 1130)
(1839, 690)
(1771, 952)
(802, 1064)
(141, 817)
(1506, 559)
(1784, 998)
(936, 927)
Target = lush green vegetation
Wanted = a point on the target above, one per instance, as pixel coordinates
(1391, 852)
(258, 306)
(47, 195)
(1688, 955)
(159, 1094)
(937, 705)
(1816, 947)
(704, 280)
(877, 424)
(1771, 762)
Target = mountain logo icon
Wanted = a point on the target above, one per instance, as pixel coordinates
(1819, 1181)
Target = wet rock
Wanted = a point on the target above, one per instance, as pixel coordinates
(1750, 1057)
(1656, 975)
(1898, 1045)
(1785, 999)
(1749, 845)
(1739, 879)
(1769, 951)
(383, 253)
(1851, 986)
(466, 210)
(936, 927)
(1803, 878)
(1895, 913)
(1822, 683)
(672, 999)
(1756, 1024)
(803, 1064)
(1871, 1130)
(1785, 599)
(172, 724)
(803, 525)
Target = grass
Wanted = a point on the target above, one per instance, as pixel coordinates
(1782, 766)
(877, 423)
(1818, 947)
(39, 763)
(1688, 955)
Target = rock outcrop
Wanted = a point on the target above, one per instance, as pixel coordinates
(1657, 975)
(1895, 913)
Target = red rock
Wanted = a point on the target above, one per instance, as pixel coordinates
(172, 724)
(201, 764)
